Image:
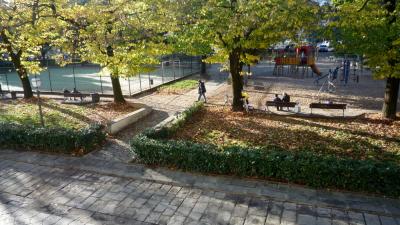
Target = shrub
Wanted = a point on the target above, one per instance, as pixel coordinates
(62, 140)
(319, 171)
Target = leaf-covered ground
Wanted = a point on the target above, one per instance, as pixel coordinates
(360, 138)
(178, 87)
(61, 115)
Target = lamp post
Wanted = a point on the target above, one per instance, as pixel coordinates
(36, 83)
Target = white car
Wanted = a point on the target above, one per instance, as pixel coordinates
(323, 48)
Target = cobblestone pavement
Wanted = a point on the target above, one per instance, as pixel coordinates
(33, 194)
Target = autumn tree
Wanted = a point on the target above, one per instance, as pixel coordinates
(371, 28)
(230, 30)
(122, 36)
(25, 26)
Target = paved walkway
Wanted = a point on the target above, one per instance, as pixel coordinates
(45, 189)
(164, 107)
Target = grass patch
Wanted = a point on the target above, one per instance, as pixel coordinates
(178, 87)
(57, 115)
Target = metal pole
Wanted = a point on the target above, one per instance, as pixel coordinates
(73, 73)
(162, 72)
(140, 82)
(39, 104)
(48, 70)
(8, 86)
(101, 85)
(149, 80)
(179, 67)
(129, 85)
(173, 67)
(191, 64)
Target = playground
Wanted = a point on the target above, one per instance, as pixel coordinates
(340, 80)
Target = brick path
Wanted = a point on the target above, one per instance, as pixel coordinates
(52, 194)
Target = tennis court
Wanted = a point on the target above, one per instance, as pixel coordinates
(88, 78)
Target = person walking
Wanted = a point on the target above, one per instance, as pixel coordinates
(202, 91)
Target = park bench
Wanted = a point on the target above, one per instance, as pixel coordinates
(280, 104)
(4, 96)
(74, 95)
(327, 106)
(79, 98)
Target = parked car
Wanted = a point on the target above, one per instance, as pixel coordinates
(323, 48)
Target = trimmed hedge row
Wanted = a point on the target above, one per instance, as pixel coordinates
(320, 171)
(62, 140)
(307, 168)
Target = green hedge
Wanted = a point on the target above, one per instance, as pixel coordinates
(320, 171)
(62, 140)
(307, 168)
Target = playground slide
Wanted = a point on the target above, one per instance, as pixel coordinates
(315, 69)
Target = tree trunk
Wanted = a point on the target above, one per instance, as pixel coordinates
(203, 68)
(16, 59)
(26, 85)
(237, 82)
(23, 76)
(118, 97)
(117, 91)
(391, 96)
(392, 84)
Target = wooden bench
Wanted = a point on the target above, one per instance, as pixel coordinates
(280, 104)
(327, 106)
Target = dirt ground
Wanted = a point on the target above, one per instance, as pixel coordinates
(366, 137)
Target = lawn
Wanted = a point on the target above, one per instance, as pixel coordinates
(360, 138)
(178, 87)
(60, 115)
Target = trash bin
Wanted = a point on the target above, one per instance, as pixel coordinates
(13, 94)
(95, 97)
(151, 82)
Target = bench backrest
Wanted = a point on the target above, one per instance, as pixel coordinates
(328, 106)
(74, 95)
(281, 104)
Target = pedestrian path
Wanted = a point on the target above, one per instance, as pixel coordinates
(47, 189)
(164, 106)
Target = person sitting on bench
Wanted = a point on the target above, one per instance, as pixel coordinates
(245, 96)
(277, 99)
(76, 92)
(246, 103)
(286, 98)
(66, 92)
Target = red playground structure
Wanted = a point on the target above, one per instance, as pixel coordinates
(292, 60)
